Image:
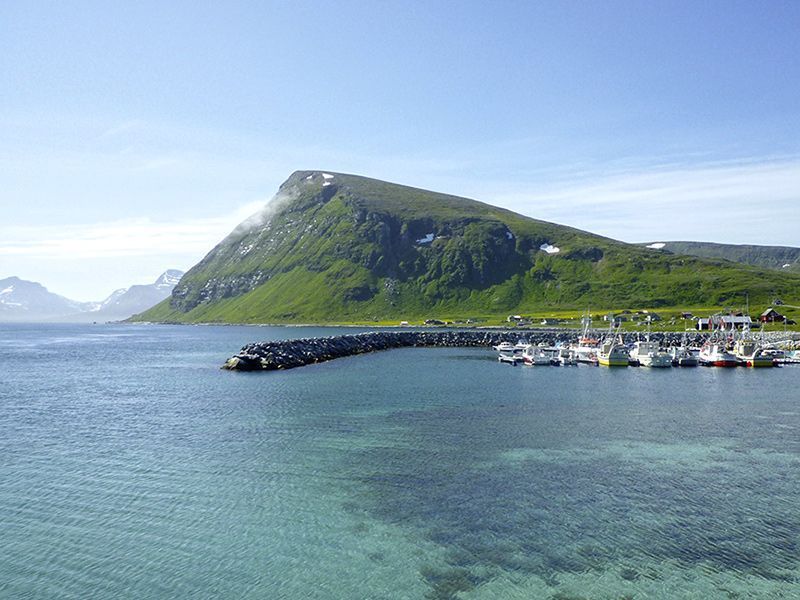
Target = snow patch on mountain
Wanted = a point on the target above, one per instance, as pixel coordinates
(169, 278)
(108, 301)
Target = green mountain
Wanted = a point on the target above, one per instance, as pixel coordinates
(332, 247)
(782, 258)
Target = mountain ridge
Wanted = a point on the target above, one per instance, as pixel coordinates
(29, 301)
(21, 299)
(781, 258)
(334, 247)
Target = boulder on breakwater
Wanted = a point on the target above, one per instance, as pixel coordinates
(287, 354)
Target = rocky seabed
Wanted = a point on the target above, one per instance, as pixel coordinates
(288, 354)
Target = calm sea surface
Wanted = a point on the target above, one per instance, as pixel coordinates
(131, 466)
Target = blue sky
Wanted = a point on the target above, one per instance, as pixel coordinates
(134, 136)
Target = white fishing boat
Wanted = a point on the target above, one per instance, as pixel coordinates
(506, 347)
(682, 356)
(648, 353)
(790, 357)
(565, 357)
(716, 352)
(535, 356)
(511, 359)
(521, 344)
(585, 349)
(511, 353)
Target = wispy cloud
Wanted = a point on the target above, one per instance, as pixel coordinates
(123, 238)
(736, 201)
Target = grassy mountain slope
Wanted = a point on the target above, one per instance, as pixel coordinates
(339, 248)
(782, 258)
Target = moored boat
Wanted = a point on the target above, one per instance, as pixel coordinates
(792, 357)
(511, 359)
(521, 344)
(565, 357)
(535, 356)
(612, 352)
(585, 349)
(716, 354)
(751, 354)
(717, 351)
(682, 356)
(505, 347)
(648, 353)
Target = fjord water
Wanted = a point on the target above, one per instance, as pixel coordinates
(131, 466)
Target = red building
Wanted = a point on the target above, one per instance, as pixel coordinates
(771, 316)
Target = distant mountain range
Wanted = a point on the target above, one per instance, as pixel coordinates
(780, 258)
(28, 301)
(22, 300)
(333, 247)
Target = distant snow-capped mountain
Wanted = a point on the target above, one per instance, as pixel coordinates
(168, 279)
(126, 302)
(22, 300)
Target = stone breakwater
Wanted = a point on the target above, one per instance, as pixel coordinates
(287, 354)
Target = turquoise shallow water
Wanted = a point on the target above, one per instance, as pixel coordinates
(131, 466)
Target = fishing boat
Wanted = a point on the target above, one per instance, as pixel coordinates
(716, 352)
(648, 353)
(511, 359)
(790, 357)
(585, 349)
(565, 357)
(521, 344)
(505, 347)
(682, 356)
(751, 354)
(612, 351)
(511, 353)
(535, 356)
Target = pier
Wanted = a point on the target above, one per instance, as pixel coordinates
(288, 354)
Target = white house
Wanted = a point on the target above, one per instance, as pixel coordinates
(725, 322)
